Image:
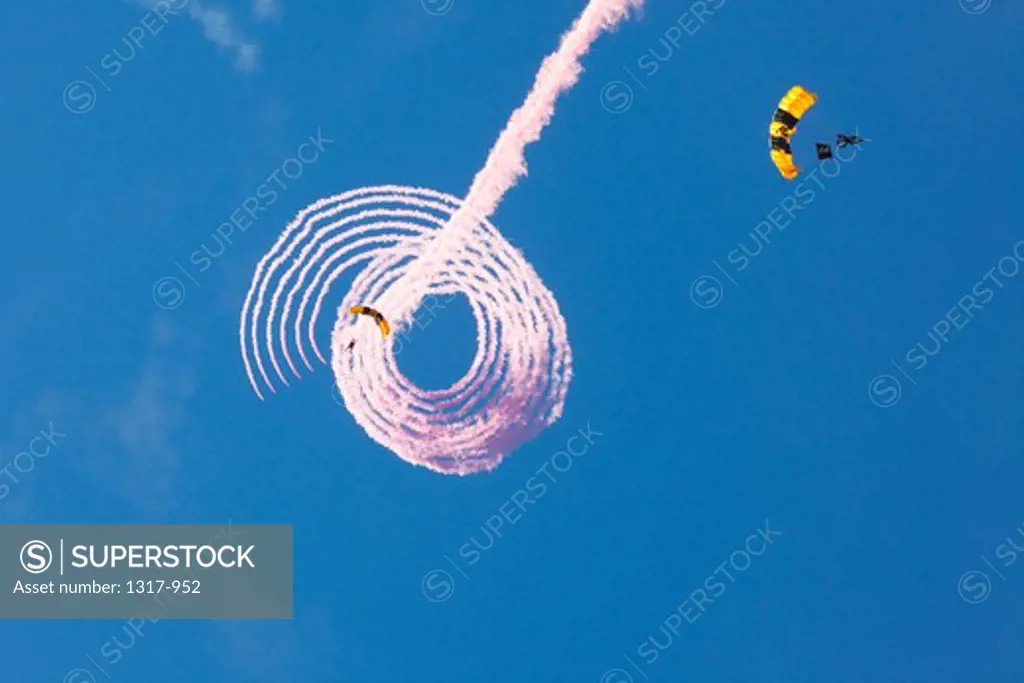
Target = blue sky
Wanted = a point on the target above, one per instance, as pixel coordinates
(784, 396)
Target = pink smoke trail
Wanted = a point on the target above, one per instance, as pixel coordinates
(558, 72)
(415, 245)
(506, 162)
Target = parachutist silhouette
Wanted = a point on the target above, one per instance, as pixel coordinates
(843, 140)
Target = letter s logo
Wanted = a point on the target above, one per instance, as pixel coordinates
(36, 557)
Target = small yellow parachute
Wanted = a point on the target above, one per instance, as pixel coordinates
(385, 329)
(791, 108)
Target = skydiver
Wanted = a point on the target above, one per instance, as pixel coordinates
(843, 140)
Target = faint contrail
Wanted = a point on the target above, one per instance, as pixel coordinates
(414, 244)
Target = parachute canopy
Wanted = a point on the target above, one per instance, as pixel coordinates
(791, 108)
(385, 329)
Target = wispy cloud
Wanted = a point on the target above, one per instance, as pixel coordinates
(266, 9)
(221, 29)
(146, 421)
(127, 440)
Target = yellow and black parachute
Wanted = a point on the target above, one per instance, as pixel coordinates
(385, 329)
(791, 108)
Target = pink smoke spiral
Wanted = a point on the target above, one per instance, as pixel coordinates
(413, 245)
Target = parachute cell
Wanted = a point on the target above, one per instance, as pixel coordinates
(385, 328)
(789, 112)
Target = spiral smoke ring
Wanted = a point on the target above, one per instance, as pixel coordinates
(414, 245)
(518, 380)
